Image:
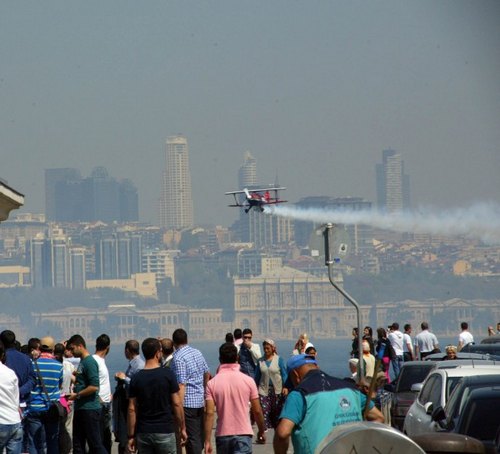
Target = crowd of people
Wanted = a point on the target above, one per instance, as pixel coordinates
(57, 398)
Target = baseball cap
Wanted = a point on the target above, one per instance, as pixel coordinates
(47, 343)
(297, 361)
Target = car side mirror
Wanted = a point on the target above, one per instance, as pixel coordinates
(416, 387)
(438, 414)
(428, 408)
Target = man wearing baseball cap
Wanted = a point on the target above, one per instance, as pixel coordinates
(317, 404)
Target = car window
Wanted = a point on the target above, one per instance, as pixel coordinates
(411, 375)
(425, 392)
(436, 391)
(483, 420)
(450, 385)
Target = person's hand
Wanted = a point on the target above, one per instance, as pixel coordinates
(120, 375)
(284, 392)
(261, 438)
(71, 396)
(131, 445)
(208, 448)
(183, 437)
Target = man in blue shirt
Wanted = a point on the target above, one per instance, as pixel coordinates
(191, 371)
(316, 405)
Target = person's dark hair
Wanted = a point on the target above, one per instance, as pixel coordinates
(310, 349)
(76, 339)
(59, 352)
(228, 353)
(180, 337)
(2, 352)
(370, 330)
(407, 327)
(132, 346)
(25, 349)
(247, 331)
(102, 342)
(229, 337)
(464, 325)
(34, 344)
(424, 325)
(167, 346)
(395, 325)
(150, 347)
(381, 333)
(8, 338)
(237, 333)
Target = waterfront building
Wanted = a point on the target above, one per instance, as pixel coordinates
(14, 276)
(176, 202)
(161, 262)
(144, 284)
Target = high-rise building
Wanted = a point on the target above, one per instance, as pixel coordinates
(247, 174)
(393, 185)
(176, 203)
(118, 256)
(77, 273)
(53, 179)
(100, 197)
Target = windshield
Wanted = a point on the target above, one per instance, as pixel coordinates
(450, 385)
(411, 375)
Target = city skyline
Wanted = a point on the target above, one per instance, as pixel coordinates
(315, 94)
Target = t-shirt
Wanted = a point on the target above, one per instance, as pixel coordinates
(87, 374)
(104, 384)
(153, 389)
(465, 338)
(396, 338)
(9, 396)
(426, 341)
(231, 391)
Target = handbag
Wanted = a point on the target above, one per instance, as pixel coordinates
(56, 409)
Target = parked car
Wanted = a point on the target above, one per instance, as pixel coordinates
(477, 416)
(491, 339)
(401, 395)
(463, 356)
(435, 392)
(492, 349)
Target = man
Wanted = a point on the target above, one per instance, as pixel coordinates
(191, 371)
(135, 364)
(42, 430)
(230, 392)
(87, 409)
(21, 365)
(154, 402)
(11, 431)
(425, 342)
(465, 337)
(368, 360)
(167, 349)
(396, 338)
(238, 337)
(316, 405)
(102, 345)
(407, 344)
(249, 354)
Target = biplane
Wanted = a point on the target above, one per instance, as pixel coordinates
(256, 198)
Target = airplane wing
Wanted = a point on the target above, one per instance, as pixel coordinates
(235, 192)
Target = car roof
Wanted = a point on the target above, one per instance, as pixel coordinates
(485, 392)
(491, 339)
(452, 363)
(481, 379)
(429, 364)
(467, 370)
(463, 356)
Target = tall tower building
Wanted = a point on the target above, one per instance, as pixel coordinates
(176, 203)
(54, 179)
(393, 186)
(247, 174)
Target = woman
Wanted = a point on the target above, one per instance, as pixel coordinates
(451, 352)
(302, 344)
(270, 376)
(384, 343)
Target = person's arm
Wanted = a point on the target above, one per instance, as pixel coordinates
(178, 411)
(131, 422)
(282, 436)
(209, 424)
(257, 373)
(284, 375)
(259, 419)
(206, 377)
(255, 353)
(374, 415)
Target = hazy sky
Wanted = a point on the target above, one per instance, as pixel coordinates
(314, 89)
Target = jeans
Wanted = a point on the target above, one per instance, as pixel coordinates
(105, 424)
(42, 433)
(234, 444)
(194, 429)
(86, 429)
(396, 365)
(11, 438)
(156, 443)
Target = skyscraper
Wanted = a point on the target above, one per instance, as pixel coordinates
(176, 203)
(393, 185)
(247, 174)
(53, 178)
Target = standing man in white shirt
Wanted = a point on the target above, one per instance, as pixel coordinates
(102, 345)
(425, 342)
(11, 431)
(407, 344)
(465, 337)
(396, 339)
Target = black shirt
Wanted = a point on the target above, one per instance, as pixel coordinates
(153, 389)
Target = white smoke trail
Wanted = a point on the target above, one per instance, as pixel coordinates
(481, 221)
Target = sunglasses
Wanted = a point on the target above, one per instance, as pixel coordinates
(247, 337)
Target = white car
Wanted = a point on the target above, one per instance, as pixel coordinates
(435, 392)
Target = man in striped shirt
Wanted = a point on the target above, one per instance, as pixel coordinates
(43, 432)
(192, 374)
